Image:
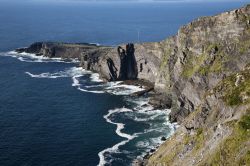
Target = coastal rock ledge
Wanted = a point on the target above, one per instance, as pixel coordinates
(202, 73)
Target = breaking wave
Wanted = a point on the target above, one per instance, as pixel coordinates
(118, 131)
(76, 73)
(28, 57)
(70, 72)
(139, 111)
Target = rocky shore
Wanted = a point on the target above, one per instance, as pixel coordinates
(131, 63)
(202, 74)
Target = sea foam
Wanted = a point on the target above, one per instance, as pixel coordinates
(69, 72)
(122, 89)
(141, 112)
(115, 88)
(29, 57)
(119, 127)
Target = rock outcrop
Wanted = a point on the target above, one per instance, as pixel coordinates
(64, 50)
(125, 62)
(208, 67)
(128, 66)
(202, 73)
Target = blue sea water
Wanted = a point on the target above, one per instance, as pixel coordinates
(54, 113)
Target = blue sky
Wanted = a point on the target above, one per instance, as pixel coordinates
(118, 0)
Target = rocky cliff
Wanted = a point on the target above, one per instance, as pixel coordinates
(125, 62)
(208, 64)
(203, 72)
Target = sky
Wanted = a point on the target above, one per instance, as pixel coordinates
(118, 0)
(112, 1)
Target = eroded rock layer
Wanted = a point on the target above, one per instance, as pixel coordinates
(203, 73)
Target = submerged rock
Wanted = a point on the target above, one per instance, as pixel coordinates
(163, 138)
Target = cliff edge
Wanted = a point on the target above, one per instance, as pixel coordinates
(202, 73)
(208, 65)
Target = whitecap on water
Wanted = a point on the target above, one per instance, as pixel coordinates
(28, 57)
(119, 127)
(75, 81)
(122, 89)
(141, 111)
(142, 144)
(44, 75)
(73, 72)
(114, 148)
(146, 139)
(90, 91)
(76, 73)
(95, 77)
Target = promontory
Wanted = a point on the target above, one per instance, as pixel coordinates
(202, 73)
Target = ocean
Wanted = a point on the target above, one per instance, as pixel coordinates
(52, 112)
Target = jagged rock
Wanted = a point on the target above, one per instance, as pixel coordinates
(161, 101)
(128, 64)
(191, 67)
(121, 63)
(218, 48)
(152, 150)
(163, 138)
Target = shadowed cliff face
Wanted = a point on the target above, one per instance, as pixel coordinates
(206, 51)
(208, 68)
(112, 63)
(112, 70)
(204, 69)
(128, 66)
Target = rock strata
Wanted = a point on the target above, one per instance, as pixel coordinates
(207, 65)
(202, 73)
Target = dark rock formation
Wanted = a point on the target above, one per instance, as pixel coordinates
(206, 62)
(163, 139)
(63, 50)
(112, 69)
(161, 101)
(112, 64)
(128, 65)
(202, 73)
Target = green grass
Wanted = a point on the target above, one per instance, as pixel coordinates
(186, 139)
(232, 94)
(244, 124)
(244, 46)
(229, 151)
(193, 64)
(168, 158)
(196, 64)
(199, 139)
(165, 59)
(212, 46)
(217, 65)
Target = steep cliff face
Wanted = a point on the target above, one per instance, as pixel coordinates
(207, 50)
(63, 50)
(125, 62)
(203, 71)
(208, 64)
(128, 62)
